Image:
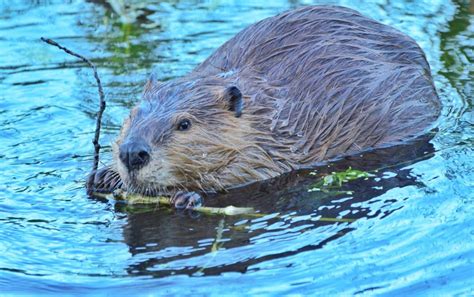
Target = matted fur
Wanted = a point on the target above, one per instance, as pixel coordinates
(318, 83)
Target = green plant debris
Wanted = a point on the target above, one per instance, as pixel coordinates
(335, 180)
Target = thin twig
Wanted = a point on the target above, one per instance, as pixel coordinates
(98, 125)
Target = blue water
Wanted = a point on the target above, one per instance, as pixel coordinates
(411, 225)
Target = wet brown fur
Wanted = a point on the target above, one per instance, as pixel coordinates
(318, 83)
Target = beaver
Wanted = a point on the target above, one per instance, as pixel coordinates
(304, 87)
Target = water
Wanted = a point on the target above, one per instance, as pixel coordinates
(406, 229)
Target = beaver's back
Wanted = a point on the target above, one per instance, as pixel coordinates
(316, 31)
(337, 82)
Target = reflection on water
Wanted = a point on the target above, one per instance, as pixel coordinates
(407, 227)
(291, 210)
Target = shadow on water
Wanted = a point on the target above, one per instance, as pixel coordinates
(289, 206)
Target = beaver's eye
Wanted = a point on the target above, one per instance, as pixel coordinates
(184, 125)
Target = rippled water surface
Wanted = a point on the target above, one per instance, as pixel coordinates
(406, 228)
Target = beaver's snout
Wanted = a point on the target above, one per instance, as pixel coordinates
(134, 154)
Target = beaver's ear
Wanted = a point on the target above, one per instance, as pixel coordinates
(233, 99)
(152, 83)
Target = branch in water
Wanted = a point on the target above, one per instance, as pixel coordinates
(95, 141)
(228, 211)
(140, 199)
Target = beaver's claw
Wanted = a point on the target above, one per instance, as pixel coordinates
(186, 200)
(104, 180)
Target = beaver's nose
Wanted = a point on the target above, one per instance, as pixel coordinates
(134, 154)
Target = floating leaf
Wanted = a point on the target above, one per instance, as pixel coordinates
(335, 180)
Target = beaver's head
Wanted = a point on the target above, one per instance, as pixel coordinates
(191, 136)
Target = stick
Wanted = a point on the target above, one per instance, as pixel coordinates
(102, 104)
(165, 201)
(228, 210)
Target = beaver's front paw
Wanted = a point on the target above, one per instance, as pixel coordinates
(104, 180)
(186, 200)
